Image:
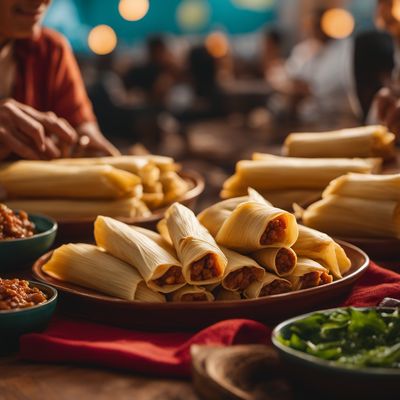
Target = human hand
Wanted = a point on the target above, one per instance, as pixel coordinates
(32, 134)
(388, 109)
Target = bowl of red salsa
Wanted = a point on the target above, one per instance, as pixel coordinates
(25, 306)
(23, 238)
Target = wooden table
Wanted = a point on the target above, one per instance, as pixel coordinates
(20, 380)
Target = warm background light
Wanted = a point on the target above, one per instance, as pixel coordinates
(337, 23)
(102, 39)
(396, 9)
(217, 44)
(193, 14)
(133, 10)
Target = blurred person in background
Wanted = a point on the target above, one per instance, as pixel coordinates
(272, 53)
(320, 76)
(157, 75)
(44, 109)
(386, 108)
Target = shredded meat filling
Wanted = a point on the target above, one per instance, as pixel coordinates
(274, 232)
(275, 287)
(14, 225)
(204, 269)
(194, 297)
(240, 279)
(309, 280)
(325, 278)
(16, 293)
(172, 277)
(284, 261)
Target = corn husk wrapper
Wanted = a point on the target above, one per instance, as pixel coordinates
(153, 200)
(40, 179)
(89, 209)
(366, 186)
(243, 229)
(363, 141)
(227, 295)
(138, 250)
(304, 266)
(322, 248)
(156, 237)
(281, 198)
(285, 173)
(270, 259)
(237, 262)
(191, 290)
(192, 241)
(173, 186)
(214, 216)
(353, 217)
(89, 266)
(254, 290)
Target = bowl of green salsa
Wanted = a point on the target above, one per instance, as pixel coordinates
(347, 352)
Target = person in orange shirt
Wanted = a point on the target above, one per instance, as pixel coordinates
(44, 109)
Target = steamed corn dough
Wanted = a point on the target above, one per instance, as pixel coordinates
(254, 225)
(159, 268)
(279, 260)
(285, 173)
(69, 209)
(88, 266)
(241, 271)
(366, 186)
(202, 260)
(354, 217)
(270, 285)
(322, 248)
(192, 293)
(37, 179)
(309, 273)
(363, 141)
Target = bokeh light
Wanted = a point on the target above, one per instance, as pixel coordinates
(396, 9)
(254, 5)
(193, 15)
(337, 23)
(217, 44)
(102, 39)
(133, 10)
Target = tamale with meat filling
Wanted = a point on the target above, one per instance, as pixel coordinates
(159, 268)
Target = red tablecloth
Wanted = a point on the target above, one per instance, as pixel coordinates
(167, 354)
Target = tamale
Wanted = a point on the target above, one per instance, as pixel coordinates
(279, 260)
(322, 248)
(241, 271)
(353, 217)
(40, 179)
(309, 273)
(89, 266)
(202, 260)
(366, 186)
(270, 285)
(192, 293)
(363, 141)
(159, 268)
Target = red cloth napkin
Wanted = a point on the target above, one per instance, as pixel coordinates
(168, 354)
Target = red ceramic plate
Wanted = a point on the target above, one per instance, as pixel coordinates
(88, 304)
(81, 229)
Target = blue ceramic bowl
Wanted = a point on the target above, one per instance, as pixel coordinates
(317, 377)
(15, 323)
(17, 254)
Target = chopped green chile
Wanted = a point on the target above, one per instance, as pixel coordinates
(351, 337)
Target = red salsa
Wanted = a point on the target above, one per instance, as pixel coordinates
(14, 225)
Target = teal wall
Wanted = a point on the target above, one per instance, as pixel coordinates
(75, 18)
